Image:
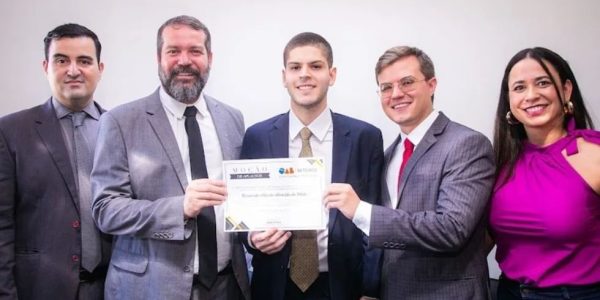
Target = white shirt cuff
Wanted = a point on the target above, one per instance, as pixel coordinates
(250, 240)
(362, 217)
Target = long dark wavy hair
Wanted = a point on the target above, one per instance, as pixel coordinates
(508, 139)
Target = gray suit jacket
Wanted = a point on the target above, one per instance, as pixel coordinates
(40, 236)
(139, 182)
(434, 239)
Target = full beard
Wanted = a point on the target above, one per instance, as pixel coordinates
(187, 94)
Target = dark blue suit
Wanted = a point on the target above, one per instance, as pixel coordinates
(357, 160)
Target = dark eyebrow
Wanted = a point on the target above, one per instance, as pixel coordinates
(58, 55)
(317, 62)
(85, 57)
(536, 79)
(517, 82)
(310, 62)
(542, 77)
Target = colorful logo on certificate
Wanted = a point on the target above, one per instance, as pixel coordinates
(286, 171)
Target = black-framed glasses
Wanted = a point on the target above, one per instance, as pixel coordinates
(406, 85)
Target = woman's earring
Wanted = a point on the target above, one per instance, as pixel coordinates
(510, 119)
(568, 107)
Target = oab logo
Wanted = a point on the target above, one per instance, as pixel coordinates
(287, 171)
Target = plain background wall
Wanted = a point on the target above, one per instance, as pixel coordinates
(470, 43)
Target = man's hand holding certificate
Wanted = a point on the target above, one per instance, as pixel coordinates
(282, 193)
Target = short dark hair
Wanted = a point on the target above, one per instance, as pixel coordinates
(508, 137)
(71, 30)
(308, 39)
(185, 21)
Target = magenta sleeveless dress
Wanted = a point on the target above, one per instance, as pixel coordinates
(546, 218)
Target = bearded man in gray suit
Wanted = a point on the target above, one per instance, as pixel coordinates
(436, 183)
(157, 181)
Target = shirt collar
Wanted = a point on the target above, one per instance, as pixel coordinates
(318, 126)
(62, 111)
(419, 132)
(177, 108)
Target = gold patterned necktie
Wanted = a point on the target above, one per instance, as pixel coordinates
(304, 260)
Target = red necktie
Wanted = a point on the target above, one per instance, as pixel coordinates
(408, 151)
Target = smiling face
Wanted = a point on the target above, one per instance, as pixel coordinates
(407, 109)
(307, 77)
(533, 98)
(184, 62)
(73, 71)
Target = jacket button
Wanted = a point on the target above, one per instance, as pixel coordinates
(75, 224)
(186, 269)
(385, 244)
(75, 258)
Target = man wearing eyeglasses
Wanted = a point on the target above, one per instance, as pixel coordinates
(438, 177)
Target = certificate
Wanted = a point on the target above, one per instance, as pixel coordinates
(283, 193)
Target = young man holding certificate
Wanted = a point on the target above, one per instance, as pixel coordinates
(315, 264)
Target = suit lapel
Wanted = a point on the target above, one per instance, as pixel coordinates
(279, 137)
(160, 125)
(428, 140)
(49, 131)
(223, 128)
(342, 144)
(101, 110)
(387, 157)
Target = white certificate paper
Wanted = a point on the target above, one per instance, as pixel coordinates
(283, 193)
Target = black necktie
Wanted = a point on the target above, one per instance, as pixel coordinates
(205, 221)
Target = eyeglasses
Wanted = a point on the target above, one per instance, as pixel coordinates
(406, 85)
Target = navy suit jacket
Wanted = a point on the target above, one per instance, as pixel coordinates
(40, 237)
(357, 160)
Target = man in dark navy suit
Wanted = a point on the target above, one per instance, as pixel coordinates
(323, 264)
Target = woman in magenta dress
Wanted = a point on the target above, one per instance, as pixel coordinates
(545, 209)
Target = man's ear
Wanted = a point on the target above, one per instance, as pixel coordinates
(332, 75)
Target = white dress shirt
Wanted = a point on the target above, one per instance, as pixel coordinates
(214, 158)
(362, 216)
(321, 143)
